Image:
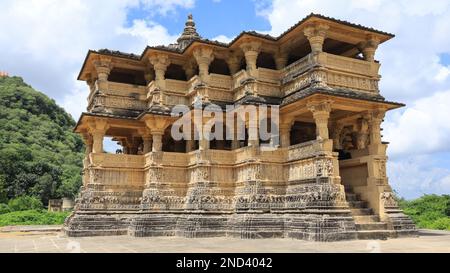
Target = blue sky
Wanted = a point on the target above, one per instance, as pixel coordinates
(46, 42)
(213, 18)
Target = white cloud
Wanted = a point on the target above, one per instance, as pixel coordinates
(45, 41)
(412, 73)
(443, 74)
(223, 39)
(413, 176)
(149, 33)
(165, 6)
(421, 128)
(75, 101)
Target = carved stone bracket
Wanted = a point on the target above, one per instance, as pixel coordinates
(316, 35)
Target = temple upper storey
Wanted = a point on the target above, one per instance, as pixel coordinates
(319, 53)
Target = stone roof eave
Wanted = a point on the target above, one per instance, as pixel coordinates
(385, 37)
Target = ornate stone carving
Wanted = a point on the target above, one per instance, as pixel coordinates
(388, 200)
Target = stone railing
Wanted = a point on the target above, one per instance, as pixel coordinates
(126, 90)
(269, 75)
(276, 155)
(309, 149)
(222, 157)
(118, 95)
(220, 81)
(246, 154)
(349, 65)
(102, 101)
(298, 67)
(312, 160)
(331, 70)
(105, 160)
(311, 168)
(176, 86)
(238, 78)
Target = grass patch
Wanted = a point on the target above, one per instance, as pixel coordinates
(32, 217)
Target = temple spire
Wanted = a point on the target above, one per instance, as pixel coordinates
(189, 33)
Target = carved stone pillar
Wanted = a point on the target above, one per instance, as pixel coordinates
(253, 135)
(204, 56)
(149, 76)
(203, 142)
(362, 134)
(146, 136)
(190, 143)
(369, 48)
(147, 140)
(337, 130)
(97, 146)
(316, 35)
(157, 141)
(98, 129)
(236, 142)
(321, 113)
(281, 59)
(285, 135)
(103, 67)
(189, 70)
(234, 64)
(88, 141)
(251, 52)
(375, 120)
(160, 63)
(91, 83)
(157, 125)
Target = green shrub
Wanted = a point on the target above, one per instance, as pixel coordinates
(32, 217)
(441, 224)
(25, 203)
(429, 211)
(4, 209)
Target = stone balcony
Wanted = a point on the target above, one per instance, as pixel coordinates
(321, 69)
(117, 97)
(332, 71)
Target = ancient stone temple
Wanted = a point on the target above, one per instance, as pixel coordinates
(321, 175)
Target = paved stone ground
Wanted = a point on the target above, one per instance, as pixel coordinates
(55, 242)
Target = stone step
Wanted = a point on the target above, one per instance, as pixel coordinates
(357, 204)
(371, 226)
(366, 219)
(375, 234)
(361, 212)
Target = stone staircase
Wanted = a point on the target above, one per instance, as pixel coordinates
(368, 225)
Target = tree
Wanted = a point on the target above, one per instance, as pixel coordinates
(39, 153)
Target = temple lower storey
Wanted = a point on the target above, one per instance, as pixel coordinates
(262, 204)
(320, 176)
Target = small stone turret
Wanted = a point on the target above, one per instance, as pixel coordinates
(189, 33)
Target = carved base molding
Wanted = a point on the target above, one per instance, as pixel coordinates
(310, 226)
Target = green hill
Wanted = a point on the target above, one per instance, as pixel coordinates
(39, 154)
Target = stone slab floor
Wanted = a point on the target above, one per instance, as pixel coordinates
(54, 242)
